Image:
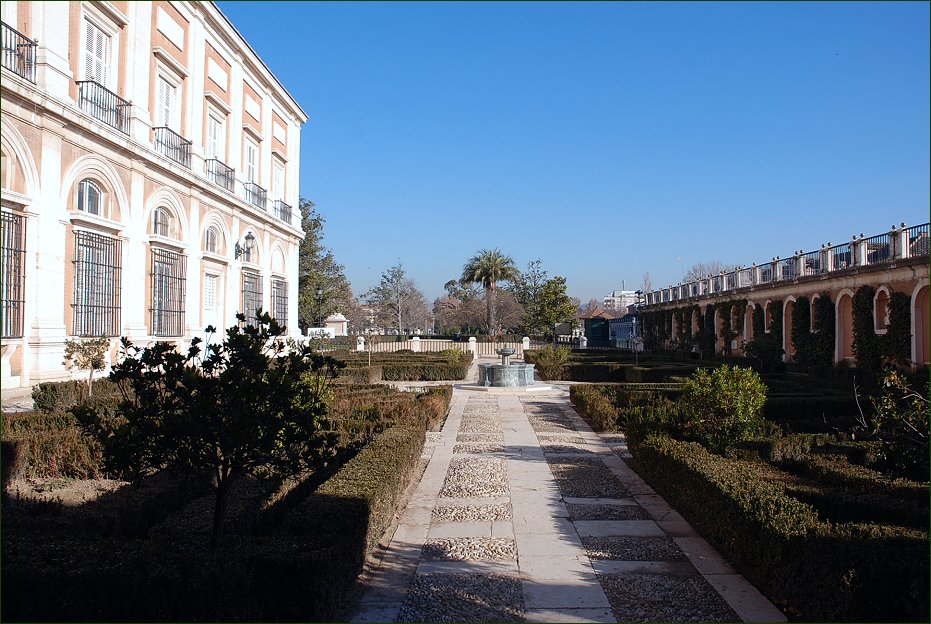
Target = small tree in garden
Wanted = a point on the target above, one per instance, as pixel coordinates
(253, 404)
(723, 406)
(89, 355)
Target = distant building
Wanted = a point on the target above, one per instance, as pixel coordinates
(595, 326)
(623, 330)
(620, 300)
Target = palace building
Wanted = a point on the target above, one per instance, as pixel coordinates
(149, 179)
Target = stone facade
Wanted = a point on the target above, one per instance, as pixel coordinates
(150, 167)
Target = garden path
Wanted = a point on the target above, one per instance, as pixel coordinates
(525, 513)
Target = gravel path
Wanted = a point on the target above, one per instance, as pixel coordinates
(524, 514)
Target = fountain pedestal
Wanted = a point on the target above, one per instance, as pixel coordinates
(506, 374)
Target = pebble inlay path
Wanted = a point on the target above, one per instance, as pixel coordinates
(525, 514)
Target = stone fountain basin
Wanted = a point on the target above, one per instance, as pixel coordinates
(501, 376)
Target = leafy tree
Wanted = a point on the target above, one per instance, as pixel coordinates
(488, 267)
(398, 302)
(554, 306)
(317, 268)
(723, 406)
(89, 355)
(252, 404)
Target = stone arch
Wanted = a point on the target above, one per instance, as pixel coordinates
(718, 333)
(279, 263)
(881, 309)
(696, 321)
(214, 219)
(843, 341)
(767, 316)
(748, 322)
(168, 199)
(95, 167)
(738, 335)
(13, 143)
(921, 324)
(788, 314)
(811, 303)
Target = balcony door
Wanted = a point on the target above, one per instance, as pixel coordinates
(97, 46)
(251, 161)
(167, 112)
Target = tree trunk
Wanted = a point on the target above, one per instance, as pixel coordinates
(90, 384)
(219, 509)
(490, 301)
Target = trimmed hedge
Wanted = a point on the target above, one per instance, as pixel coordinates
(48, 445)
(817, 570)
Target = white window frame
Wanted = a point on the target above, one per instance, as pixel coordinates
(278, 178)
(216, 239)
(102, 196)
(216, 145)
(250, 170)
(109, 30)
(173, 122)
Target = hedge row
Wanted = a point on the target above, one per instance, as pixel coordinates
(816, 570)
(592, 404)
(48, 445)
(283, 558)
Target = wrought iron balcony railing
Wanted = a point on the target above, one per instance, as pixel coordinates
(255, 194)
(19, 53)
(282, 211)
(105, 105)
(220, 174)
(171, 144)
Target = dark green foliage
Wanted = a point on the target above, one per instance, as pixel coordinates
(766, 348)
(405, 365)
(824, 335)
(802, 338)
(812, 413)
(816, 570)
(549, 362)
(723, 406)
(898, 339)
(707, 337)
(252, 405)
(866, 344)
(49, 445)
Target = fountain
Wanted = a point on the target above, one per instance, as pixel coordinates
(516, 376)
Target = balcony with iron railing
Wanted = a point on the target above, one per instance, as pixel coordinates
(171, 144)
(282, 211)
(890, 247)
(103, 104)
(19, 53)
(255, 194)
(220, 174)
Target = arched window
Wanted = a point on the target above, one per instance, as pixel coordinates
(211, 236)
(161, 222)
(90, 197)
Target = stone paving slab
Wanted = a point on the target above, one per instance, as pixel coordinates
(510, 502)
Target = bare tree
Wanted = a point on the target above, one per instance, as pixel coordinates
(700, 270)
(397, 301)
(647, 283)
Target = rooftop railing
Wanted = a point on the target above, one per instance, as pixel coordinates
(171, 144)
(897, 244)
(105, 105)
(19, 53)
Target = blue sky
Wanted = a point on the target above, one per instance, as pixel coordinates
(606, 139)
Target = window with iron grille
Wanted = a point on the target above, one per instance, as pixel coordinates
(97, 273)
(161, 222)
(280, 301)
(168, 284)
(13, 263)
(251, 295)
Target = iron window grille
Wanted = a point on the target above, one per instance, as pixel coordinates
(161, 222)
(169, 275)
(97, 275)
(280, 301)
(251, 295)
(14, 274)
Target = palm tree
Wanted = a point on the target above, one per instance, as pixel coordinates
(488, 267)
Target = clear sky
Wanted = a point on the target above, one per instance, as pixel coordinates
(607, 139)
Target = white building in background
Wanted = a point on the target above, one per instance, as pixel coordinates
(150, 167)
(620, 300)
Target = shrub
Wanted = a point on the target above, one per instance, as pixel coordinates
(49, 445)
(548, 361)
(595, 406)
(723, 406)
(819, 571)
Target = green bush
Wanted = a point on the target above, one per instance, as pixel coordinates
(49, 445)
(60, 396)
(818, 571)
(594, 406)
(723, 406)
(549, 362)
